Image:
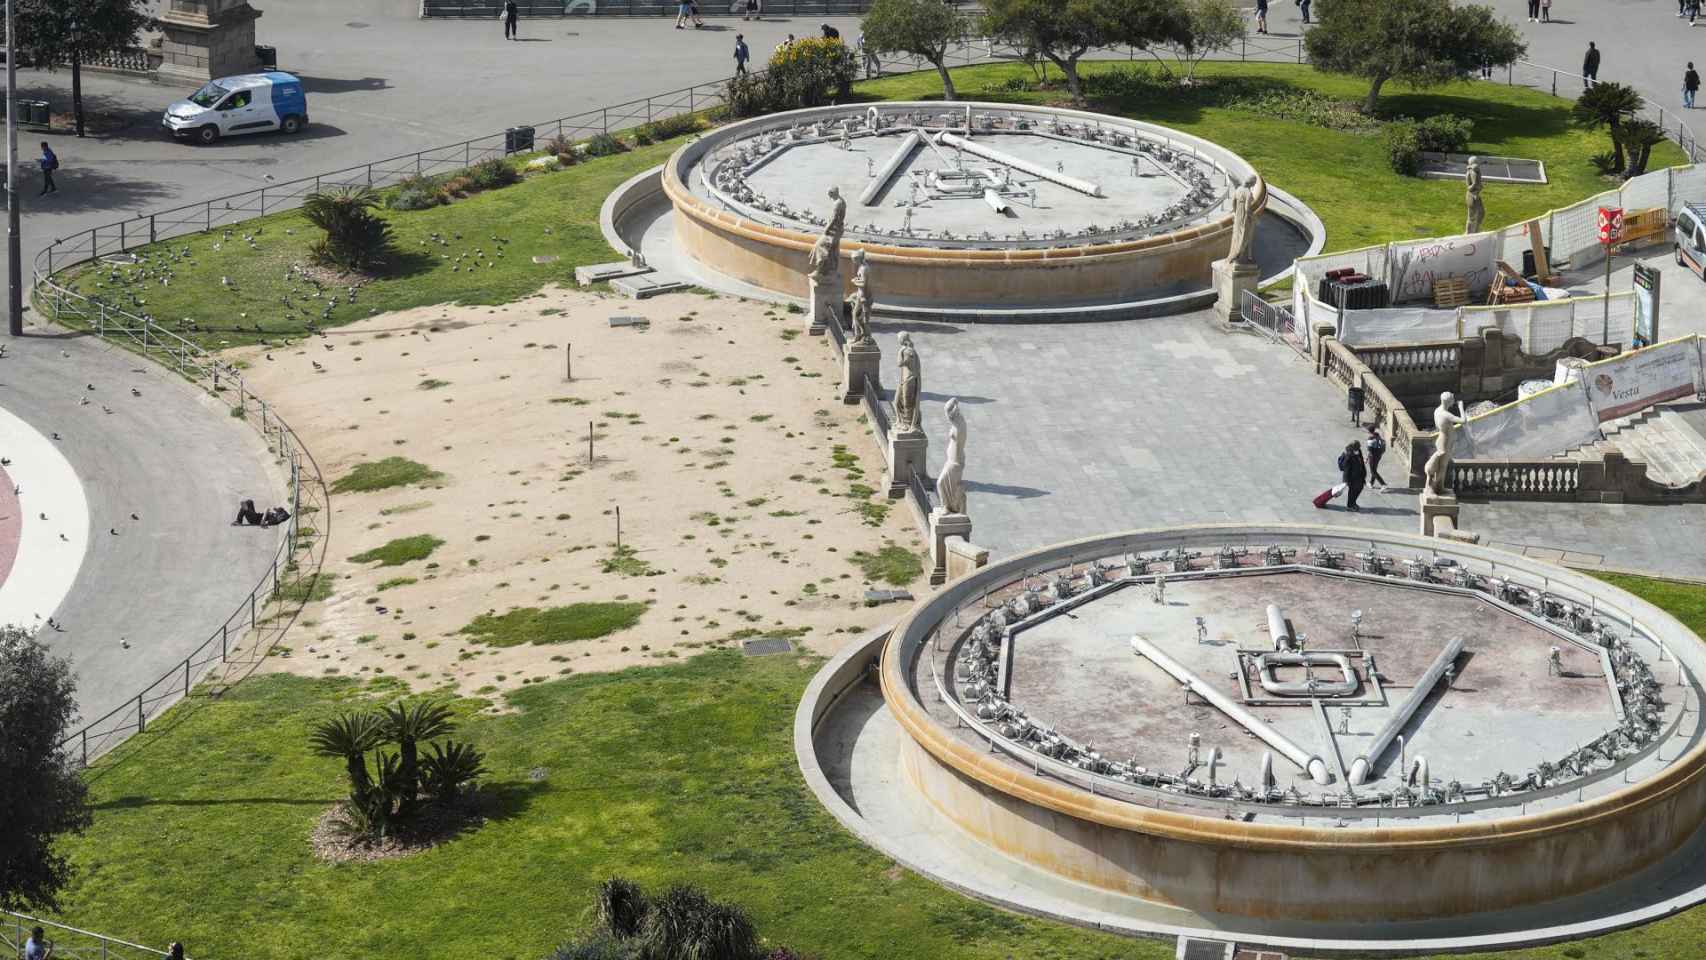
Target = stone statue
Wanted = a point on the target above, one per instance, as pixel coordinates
(838, 215)
(822, 259)
(1243, 221)
(863, 294)
(950, 483)
(1472, 196)
(1446, 423)
(906, 392)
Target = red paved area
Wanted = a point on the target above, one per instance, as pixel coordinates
(11, 525)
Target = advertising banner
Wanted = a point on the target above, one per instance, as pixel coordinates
(1646, 305)
(1546, 424)
(1416, 265)
(1622, 385)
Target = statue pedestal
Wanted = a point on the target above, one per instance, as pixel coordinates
(825, 302)
(942, 527)
(906, 460)
(862, 361)
(204, 39)
(1437, 506)
(1231, 279)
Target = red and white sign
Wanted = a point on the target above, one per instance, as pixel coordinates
(1610, 224)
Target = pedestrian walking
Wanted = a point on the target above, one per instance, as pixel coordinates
(868, 56)
(1590, 66)
(693, 8)
(175, 951)
(742, 55)
(49, 163)
(510, 14)
(1376, 445)
(1693, 11)
(1486, 68)
(683, 11)
(1533, 11)
(752, 11)
(1261, 16)
(1690, 85)
(37, 947)
(1545, 11)
(1304, 6)
(1352, 473)
(1681, 8)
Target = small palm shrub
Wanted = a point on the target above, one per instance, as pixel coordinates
(449, 767)
(685, 924)
(355, 237)
(493, 173)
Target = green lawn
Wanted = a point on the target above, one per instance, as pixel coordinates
(1342, 175)
(671, 773)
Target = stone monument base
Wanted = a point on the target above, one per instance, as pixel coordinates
(944, 526)
(1437, 507)
(1231, 279)
(204, 39)
(906, 460)
(863, 361)
(825, 303)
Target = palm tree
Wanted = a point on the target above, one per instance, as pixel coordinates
(1639, 137)
(350, 736)
(355, 237)
(407, 726)
(1608, 105)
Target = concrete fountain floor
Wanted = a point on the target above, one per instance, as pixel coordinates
(802, 176)
(1504, 712)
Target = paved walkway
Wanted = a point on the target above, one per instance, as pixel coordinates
(1074, 430)
(161, 474)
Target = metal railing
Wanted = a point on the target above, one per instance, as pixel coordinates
(1274, 321)
(69, 943)
(1542, 77)
(245, 636)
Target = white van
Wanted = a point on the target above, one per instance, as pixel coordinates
(250, 103)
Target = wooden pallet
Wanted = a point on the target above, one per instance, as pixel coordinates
(1503, 292)
(1451, 292)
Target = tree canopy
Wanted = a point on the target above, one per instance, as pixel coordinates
(1062, 31)
(76, 31)
(41, 796)
(1421, 42)
(923, 28)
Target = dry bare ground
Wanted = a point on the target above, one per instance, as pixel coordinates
(716, 429)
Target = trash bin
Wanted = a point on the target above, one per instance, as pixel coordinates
(268, 56)
(518, 139)
(1528, 262)
(38, 112)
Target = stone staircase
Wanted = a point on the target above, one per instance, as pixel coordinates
(1659, 436)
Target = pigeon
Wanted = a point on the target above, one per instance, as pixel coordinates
(56, 436)
(317, 367)
(113, 531)
(82, 401)
(44, 516)
(91, 386)
(65, 353)
(106, 409)
(5, 461)
(122, 642)
(135, 517)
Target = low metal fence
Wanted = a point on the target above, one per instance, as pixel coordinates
(1551, 79)
(248, 632)
(1274, 321)
(69, 943)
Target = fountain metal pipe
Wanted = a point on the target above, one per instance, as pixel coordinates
(890, 168)
(1283, 640)
(1363, 764)
(1316, 767)
(1035, 170)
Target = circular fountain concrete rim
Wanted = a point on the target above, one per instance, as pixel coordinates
(640, 188)
(824, 693)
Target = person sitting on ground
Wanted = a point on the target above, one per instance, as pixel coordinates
(275, 516)
(830, 33)
(246, 513)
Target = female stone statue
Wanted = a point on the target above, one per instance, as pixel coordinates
(1243, 220)
(906, 393)
(863, 293)
(950, 483)
(1472, 196)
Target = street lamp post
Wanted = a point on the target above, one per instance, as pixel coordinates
(77, 73)
(14, 256)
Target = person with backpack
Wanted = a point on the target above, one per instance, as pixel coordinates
(1590, 66)
(49, 163)
(1690, 85)
(1376, 445)
(510, 13)
(1261, 16)
(742, 54)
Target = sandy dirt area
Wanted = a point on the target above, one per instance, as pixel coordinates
(717, 430)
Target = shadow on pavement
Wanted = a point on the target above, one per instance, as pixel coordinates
(83, 189)
(330, 85)
(1005, 490)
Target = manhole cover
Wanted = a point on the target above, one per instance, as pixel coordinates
(765, 647)
(1190, 948)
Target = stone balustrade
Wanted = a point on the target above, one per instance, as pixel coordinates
(1605, 478)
